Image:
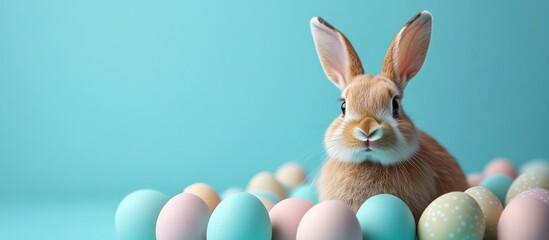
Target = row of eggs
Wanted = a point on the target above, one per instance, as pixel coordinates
(265, 212)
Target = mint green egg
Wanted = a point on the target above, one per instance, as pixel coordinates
(240, 216)
(136, 215)
(386, 216)
(306, 191)
(499, 184)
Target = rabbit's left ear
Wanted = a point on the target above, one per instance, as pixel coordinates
(407, 52)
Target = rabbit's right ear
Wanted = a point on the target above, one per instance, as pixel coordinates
(337, 56)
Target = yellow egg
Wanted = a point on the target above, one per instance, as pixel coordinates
(291, 174)
(205, 192)
(491, 209)
(454, 215)
(266, 181)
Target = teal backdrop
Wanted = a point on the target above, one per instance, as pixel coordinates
(100, 98)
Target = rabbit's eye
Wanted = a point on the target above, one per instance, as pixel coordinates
(343, 106)
(396, 107)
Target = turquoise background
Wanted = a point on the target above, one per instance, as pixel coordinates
(100, 98)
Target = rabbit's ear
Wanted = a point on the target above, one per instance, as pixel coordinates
(408, 49)
(337, 56)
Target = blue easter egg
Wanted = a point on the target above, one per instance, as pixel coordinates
(240, 216)
(137, 213)
(386, 216)
(268, 194)
(306, 191)
(499, 184)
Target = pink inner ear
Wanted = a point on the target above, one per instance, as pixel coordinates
(332, 53)
(410, 50)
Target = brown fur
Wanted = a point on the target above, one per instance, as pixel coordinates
(429, 173)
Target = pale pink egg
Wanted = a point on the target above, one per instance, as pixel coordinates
(500, 166)
(185, 216)
(329, 220)
(524, 218)
(474, 179)
(286, 215)
(539, 194)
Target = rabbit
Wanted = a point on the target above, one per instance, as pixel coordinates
(373, 147)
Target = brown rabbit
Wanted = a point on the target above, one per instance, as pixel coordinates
(374, 147)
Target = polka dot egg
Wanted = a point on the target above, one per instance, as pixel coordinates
(526, 181)
(491, 209)
(454, 215)
(535, 193)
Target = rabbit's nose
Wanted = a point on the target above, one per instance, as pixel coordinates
(368, 130)
(372, 135)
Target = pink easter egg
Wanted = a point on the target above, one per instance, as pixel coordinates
(500, 166)
(286, 215)
(185, 216)
(539, 194)
(524, 218)
(329, 220)
(474, 179)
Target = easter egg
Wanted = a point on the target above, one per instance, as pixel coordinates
(491, 209)
(266, 181)
(539, 194)
(306, 191)
(386, 216)
(454, 215)
(266, 194)
(267, 203)
(329, 220)
(286, 215)
(499, 185)
(474, 179)
(231, 191)
(524, 218)
(184, 217)
(290, 174)
(526, 181)
(239, 216)
(204, 191)
(500, 166)
(536, 165)
(136, 215)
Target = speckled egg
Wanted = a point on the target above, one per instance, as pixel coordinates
(291, 174)
(526, 181)
(205, 192)
(473, 179)
(286, 215)
(499, 185)
(500, 166)
(329, 220)
(136, 215)
(524, 218)
(386, 216)
(491, 209)
(240, 216)
(535, 193)
(184, 217)
(536, 165)
(306, 191)
(454, 215)
(266, 181)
